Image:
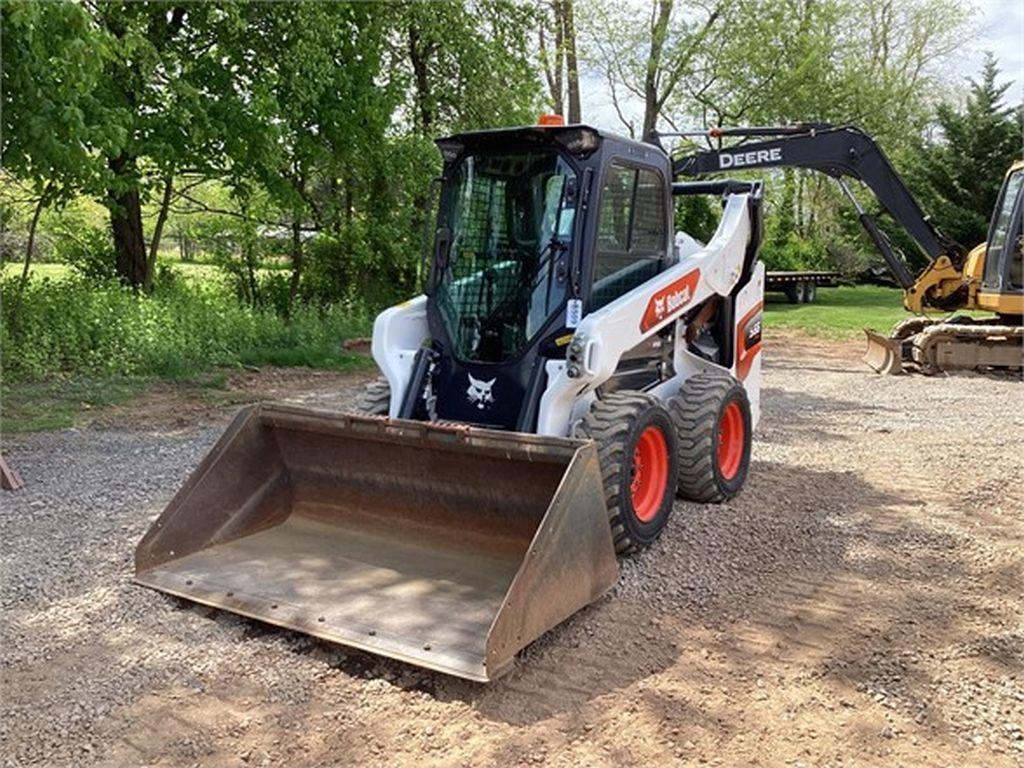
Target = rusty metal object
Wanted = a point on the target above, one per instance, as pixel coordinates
(10, 480)
(883, 354)
(448, 547)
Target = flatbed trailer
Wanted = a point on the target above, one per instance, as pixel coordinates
(799, 287)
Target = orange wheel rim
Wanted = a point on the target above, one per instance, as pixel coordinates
(731, 440)
(650, 474)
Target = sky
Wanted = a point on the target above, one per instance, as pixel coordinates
(1000, 29)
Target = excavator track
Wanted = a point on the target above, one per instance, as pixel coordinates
(959, 346)
(912, 326)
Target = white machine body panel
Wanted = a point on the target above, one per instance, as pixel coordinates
(399, 332)
(605, 335)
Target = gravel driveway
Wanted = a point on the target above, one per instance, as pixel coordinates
(859, 604)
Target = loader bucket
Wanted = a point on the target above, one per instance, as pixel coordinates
(883, 354)
(448, 547)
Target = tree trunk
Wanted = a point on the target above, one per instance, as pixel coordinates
(126, 223)
(572, 73)
(44, 199)
(419, 57)
(158, 231)
(293, 288)
(15, 310)
(659, 31)
(558, 89)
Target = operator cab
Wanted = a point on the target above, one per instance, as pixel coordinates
(1004, 259)
(537, 225)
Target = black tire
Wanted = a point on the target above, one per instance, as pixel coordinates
(698, 410)
(616, 423)
(794, 292)
(810, 293)
(375, 399)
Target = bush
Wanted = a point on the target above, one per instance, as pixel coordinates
(89, 253)
(74, 325)
(350, 267)
(794, 253)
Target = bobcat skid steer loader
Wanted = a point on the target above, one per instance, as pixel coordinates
(567, 373)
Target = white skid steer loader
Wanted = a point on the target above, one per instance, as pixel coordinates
(567, 373)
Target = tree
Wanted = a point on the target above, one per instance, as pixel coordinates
(875, 64)
(308, 106)
(468, 63)
(167, 75)
(649, 62)
(958, 175)
(53, 123)
(561, 63)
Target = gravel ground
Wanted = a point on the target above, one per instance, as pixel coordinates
(859, 604)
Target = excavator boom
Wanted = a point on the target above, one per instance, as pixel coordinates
(946, 284)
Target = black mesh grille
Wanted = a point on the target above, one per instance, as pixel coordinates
(501, 215)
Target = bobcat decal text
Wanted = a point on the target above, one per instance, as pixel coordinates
(670, 300)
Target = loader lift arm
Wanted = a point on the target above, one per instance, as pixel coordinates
(840, 152)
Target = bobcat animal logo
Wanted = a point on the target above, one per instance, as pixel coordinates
(479, 392)
(659, 307)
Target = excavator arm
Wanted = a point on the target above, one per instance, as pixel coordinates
(847, 152)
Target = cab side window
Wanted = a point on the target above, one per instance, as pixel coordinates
(1004, 240)
(631, 232)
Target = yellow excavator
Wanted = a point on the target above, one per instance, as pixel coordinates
(987, 278)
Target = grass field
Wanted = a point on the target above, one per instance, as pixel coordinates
(838, 313)
(189, 269)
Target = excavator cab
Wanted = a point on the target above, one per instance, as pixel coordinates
(1002, 282)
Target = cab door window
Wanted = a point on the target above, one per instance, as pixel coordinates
(631, 232)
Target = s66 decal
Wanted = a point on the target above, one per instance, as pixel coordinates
(748, 336)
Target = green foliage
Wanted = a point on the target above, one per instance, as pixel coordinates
(875, 64)
(53, 114)
(468, 64)
(88, 253)
(319, 118)
(958, 175)
(792, 252)
(697, 215)
(76, 326)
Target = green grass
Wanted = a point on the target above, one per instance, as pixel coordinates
(36, 271)
(838, 313)
(70, 345)
(57, 403)
(198, 271)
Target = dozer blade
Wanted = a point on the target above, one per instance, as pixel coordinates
(448, 547)
(883, 354)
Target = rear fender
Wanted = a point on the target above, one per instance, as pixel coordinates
(746, 367)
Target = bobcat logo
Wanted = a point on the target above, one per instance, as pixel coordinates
(659, 307)
(479, 392)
